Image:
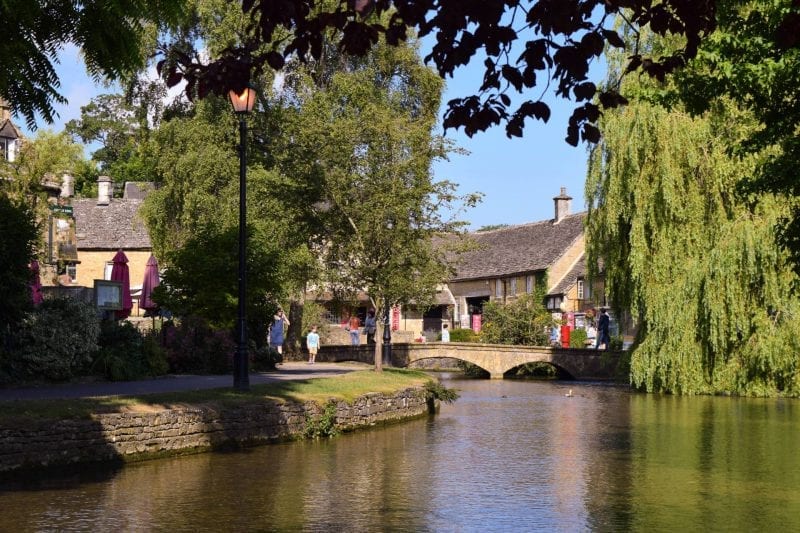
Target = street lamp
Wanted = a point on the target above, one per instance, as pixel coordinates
(242, 105)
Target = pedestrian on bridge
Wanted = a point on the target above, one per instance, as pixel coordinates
(602, 330)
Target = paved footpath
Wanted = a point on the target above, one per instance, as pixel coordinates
(291, 370)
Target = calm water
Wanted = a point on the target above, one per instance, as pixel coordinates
(508, 456)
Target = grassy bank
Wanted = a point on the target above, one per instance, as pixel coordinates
(346, 387)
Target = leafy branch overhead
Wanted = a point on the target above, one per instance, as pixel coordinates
(527, 44)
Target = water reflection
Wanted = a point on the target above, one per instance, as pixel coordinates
(508, 456)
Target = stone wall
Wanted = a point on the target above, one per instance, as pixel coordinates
(134, 436)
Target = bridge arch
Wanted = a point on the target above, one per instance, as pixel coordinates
(497, 359)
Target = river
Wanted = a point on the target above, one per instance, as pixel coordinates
(509, 455)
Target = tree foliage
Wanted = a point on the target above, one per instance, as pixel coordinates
(699, 268)
(526, 45)
(110, 36)
(522, 321)
(19, 234)
(754, 59)
(360, 136)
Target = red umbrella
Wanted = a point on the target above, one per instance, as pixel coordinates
(119, 272)
(150, 282)
(36, 284)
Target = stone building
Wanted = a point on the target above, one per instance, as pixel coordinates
(10, 136)
(510, 261)
(105, 225)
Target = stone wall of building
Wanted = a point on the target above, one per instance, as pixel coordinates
(134, 436)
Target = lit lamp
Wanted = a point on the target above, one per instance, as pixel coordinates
(242, 105)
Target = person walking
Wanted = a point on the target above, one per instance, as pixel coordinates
(445, 333)
(313, 344)
(370, 326)
(602, 330)
(355, 334)
(279, 321)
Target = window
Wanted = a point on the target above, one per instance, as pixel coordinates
(107, 272)
(554, 303)
(513, 288)
(580, 289)
(498, 288)
(529, 284)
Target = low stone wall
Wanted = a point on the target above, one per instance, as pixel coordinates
(134, 436)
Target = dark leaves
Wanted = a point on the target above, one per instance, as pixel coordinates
(561, 38)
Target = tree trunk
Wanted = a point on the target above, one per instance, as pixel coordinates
(295, 332)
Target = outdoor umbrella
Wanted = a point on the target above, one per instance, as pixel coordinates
(36, 284)
(119, 272)
(149, 283)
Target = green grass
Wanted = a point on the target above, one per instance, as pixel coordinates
(346, 387)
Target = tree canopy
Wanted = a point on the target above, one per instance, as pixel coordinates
(528, 44)
(689, 248)
(110, 36)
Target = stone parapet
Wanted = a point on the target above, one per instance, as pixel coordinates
(135, 436)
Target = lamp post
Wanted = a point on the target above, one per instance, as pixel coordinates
(242, 105)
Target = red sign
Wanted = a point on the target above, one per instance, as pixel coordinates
(395, 318)
(476, 323)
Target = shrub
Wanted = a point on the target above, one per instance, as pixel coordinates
(194, 347)
(464, 335)
(56, 341)
(265, 358)
(523, 321)
(616, 343)
(577, 338)
(120, 355)
(154, 354)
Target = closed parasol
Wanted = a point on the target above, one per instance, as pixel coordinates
(119, 272)
(150, 282)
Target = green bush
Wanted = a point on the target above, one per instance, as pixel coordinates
(194, 347)
(56, 341)
(616, 343)
(577, 338)
(463, 335)
(523, 321)
(154, 354)
(18, 234)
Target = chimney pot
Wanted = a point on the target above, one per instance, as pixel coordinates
(562, 202)
(103, 190)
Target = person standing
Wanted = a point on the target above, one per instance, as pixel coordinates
(312, 341)
(445, 333)
(355, 335)
(279, 321)
(370, 326)
(602, 330)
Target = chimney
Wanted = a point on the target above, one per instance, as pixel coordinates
(67, 186)
(562, 205)
(103, 190)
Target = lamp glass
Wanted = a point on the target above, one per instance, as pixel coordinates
(243, 102)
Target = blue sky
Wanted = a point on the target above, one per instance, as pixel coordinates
(519, 177)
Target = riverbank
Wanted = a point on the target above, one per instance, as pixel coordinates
(44, 434)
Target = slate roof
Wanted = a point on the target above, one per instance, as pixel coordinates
(518, 249)
(9, 130)
(571, 277)
(110, 227)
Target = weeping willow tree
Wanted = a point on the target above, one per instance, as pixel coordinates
(695, 261)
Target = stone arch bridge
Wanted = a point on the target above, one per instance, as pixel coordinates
(497, 359)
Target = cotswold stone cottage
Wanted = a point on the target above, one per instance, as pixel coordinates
(510, 261)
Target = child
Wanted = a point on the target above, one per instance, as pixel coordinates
(312, 341)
